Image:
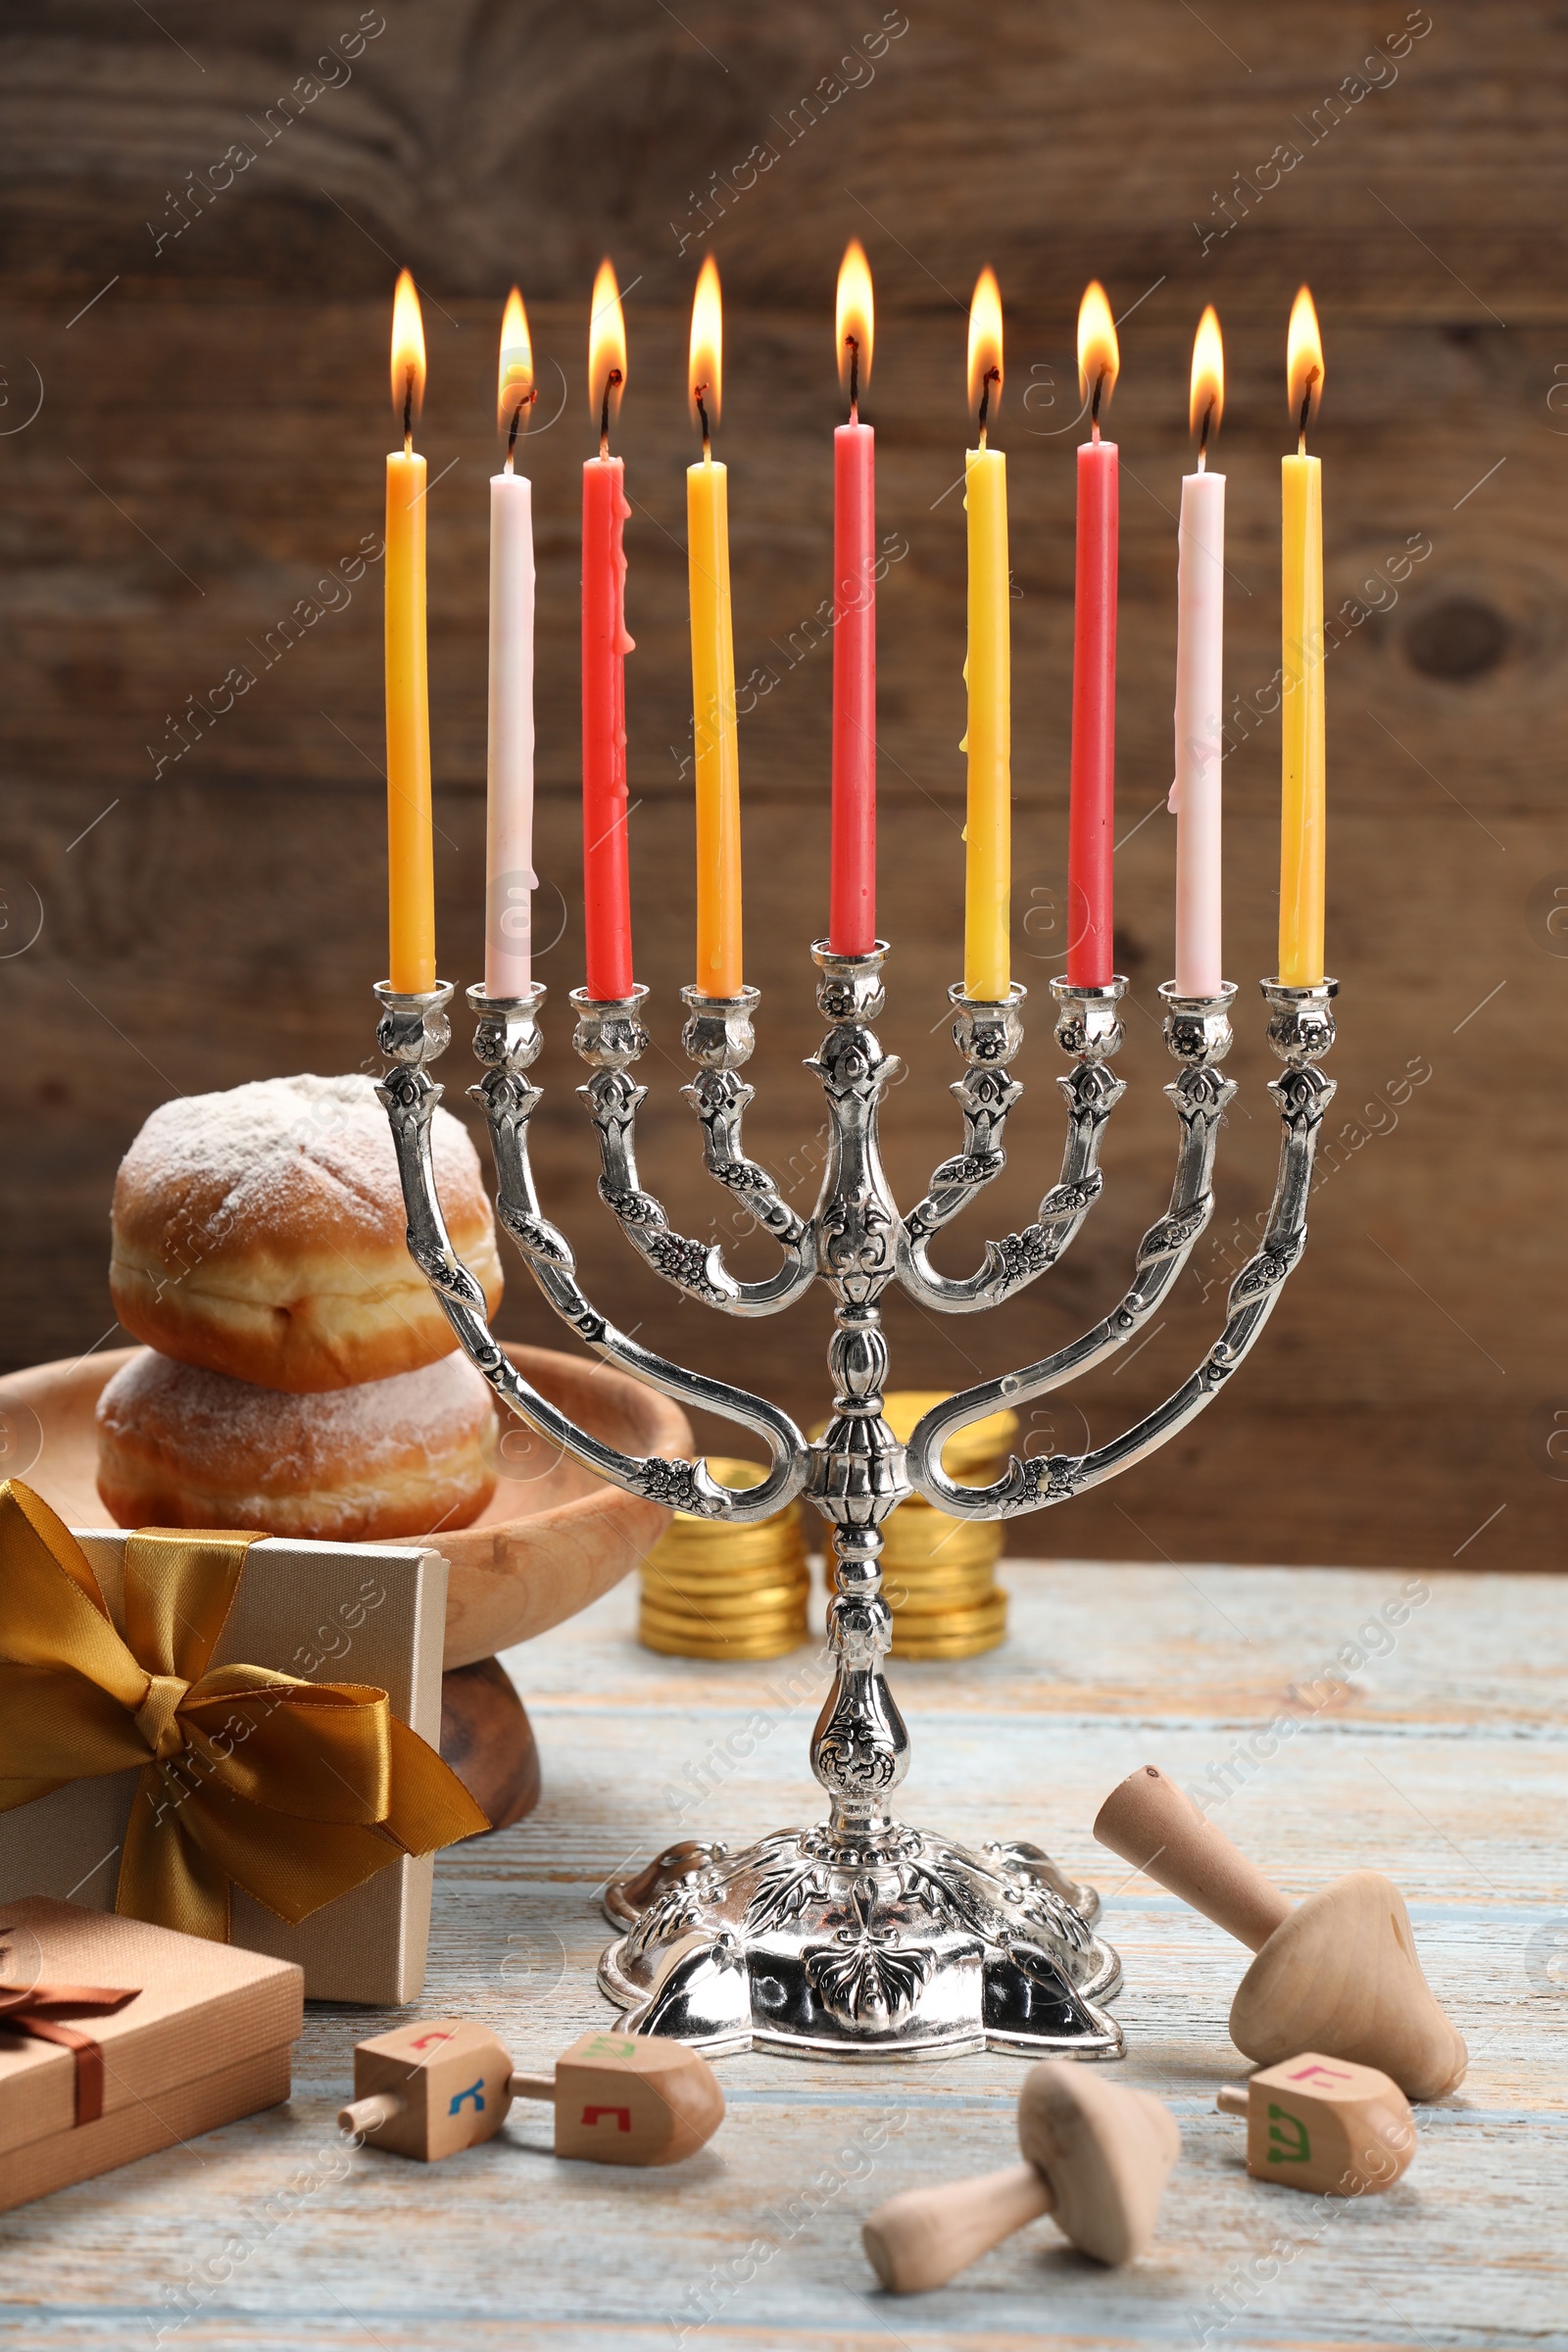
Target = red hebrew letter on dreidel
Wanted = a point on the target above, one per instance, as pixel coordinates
(622, 2115)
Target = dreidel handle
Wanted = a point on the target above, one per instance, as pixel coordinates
(1154, 1825)
(370, 2114)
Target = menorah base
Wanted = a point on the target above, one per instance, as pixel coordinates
(904, 1946)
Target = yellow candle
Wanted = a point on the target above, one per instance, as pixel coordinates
(987, 673)
(1302, 777)
(410, 875)
(713, 725)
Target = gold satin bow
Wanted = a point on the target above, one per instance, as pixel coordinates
(293, 1790)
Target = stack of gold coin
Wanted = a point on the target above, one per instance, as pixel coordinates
(710, 1591)
(938, 1574)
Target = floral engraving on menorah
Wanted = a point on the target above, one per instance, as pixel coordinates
(858, 1936)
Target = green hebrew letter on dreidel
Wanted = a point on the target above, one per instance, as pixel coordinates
(1297, 2151)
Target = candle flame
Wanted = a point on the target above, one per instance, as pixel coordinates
(1304, 361)
(985, 350)
(1207, 401)
(514, 386)
(853, 322)
(707, 349)
(607, 351)
(408, 355)
(1098, 354)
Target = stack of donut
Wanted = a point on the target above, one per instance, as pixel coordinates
(298, 1375)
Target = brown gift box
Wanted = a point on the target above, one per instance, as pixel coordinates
(206, 2040)
(330, 1612)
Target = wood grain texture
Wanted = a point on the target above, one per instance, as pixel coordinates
(208, 451)
(1442, 1763)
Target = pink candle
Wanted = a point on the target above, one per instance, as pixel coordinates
(1091, 821)
(851, 910)
(509, 879)
(1199, 685)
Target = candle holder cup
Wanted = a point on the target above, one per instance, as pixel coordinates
(858, 1936)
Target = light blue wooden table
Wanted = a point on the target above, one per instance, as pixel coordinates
(1441, 1760)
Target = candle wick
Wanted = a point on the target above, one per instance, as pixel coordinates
(407, 414)
(1203, 437)
(1306, 411)
(1093, 413)
(702, 418)
(854, 343)
(992, 375)
(611, 380)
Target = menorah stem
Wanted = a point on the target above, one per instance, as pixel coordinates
(861, 1748)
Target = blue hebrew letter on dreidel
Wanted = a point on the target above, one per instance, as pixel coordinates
(476, 2092)
(1288, 2151)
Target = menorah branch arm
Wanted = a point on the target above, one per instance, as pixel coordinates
(610, 1038)
(1300, 1031)
(413, 1031)
(989, 1034)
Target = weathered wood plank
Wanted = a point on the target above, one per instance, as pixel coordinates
(1443, 1765)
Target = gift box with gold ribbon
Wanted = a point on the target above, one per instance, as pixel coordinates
(228, 1736)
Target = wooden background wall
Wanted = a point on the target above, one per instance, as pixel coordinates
(210, 443)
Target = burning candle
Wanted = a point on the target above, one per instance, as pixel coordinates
(1200, 681)
(1092, 822)
(852, 914)
(987, 670)
(607, 889)
(510, 878)
(1302, 813)
(411, 874)
(714, 723)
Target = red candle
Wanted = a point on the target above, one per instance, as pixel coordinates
(606, 887)
(851, 910)
(1092, 822)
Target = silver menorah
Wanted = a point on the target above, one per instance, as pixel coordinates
(859, 1938)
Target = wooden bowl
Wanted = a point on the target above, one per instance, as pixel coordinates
(553, 1538)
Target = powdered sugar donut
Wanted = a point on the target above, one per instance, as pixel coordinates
(261, 1233)
(179, 1447)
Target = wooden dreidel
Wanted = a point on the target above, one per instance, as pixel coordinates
(1337, 1973)
(1325, 2125)
(1096, 2156)
(428, 2089)
(626, 2099)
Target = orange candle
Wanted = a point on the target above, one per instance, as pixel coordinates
(714, 723)
(410, 870)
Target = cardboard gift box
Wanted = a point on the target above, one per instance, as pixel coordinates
(205, 2038)
(335, 1614)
